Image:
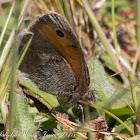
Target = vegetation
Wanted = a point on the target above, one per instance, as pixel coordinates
(109, 34)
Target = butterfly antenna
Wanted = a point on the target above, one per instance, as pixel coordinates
(108, 78)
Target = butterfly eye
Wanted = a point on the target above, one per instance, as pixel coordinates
(60, 33)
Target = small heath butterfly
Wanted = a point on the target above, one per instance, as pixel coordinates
(54, 60)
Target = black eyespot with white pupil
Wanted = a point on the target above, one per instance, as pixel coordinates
(60, 33)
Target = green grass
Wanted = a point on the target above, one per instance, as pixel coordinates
(117, 96)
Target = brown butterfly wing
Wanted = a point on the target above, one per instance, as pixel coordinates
(54, 62)
(47, 68)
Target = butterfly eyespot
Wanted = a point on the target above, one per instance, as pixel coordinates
(60, 33)
(75, 88)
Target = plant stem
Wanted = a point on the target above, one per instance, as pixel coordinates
(138, 21)
(12, 93)
(114, 29)
(6, 24)
(13, 79)
(133, 91)
(87, 118)
(43, 5)
(138, 119)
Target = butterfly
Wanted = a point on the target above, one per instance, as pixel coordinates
(54, 60)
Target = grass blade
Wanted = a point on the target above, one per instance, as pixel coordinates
(6, 24)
